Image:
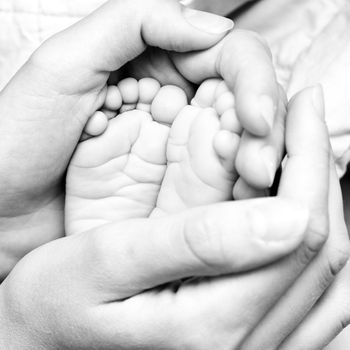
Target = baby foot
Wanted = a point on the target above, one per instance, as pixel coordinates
(117, 175)
(144, 95)
(201, 151)
(133, 170)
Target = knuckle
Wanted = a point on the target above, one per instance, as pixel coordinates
(305, 254)
(338, 257)
(327, 275)
(203, 238)
(318, 232)
(335, 259)
(345, 312)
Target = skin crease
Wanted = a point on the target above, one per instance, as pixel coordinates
(96, 245)
(82, 258)
(43, 188)
(334, 306)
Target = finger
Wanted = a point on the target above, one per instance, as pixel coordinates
(242, 190)
(305, 176)
(327, 319)
(128, 26)
(334, 306)
(258, 158)
(223, 238)
(244, 61)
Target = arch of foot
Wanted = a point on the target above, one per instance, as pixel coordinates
(163, 103)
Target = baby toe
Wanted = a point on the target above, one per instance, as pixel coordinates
(230, 122)
(242, 190)
(113, 98)
(221, 89)
(148, 89)
(129, 90)
(97, 124)
(226, 145)
(224, 102)
(205, 95)
(109, 114)
(167, 104)
(127, 107)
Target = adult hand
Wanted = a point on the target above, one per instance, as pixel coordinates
(92, 290)
(95, 289)
(46, 105)
(296, 48)
(305, 53)
(292, 323)
(281, 320)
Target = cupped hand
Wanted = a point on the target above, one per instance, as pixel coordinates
(94, 290)
(46, 105)
(331, 314)
(114, 286)
(327, 223)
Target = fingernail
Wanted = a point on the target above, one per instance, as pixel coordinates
(280, 220)
(269, 157)
(267, 110)
(318, 100)
(207, 22)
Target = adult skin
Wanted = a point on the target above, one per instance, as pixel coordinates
(332, 313)
(86, 291)
(32, 200)
(101, 275)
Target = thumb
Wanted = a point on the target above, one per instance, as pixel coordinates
(120, 30)
(219, 239)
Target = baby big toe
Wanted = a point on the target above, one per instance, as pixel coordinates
(167, 104)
